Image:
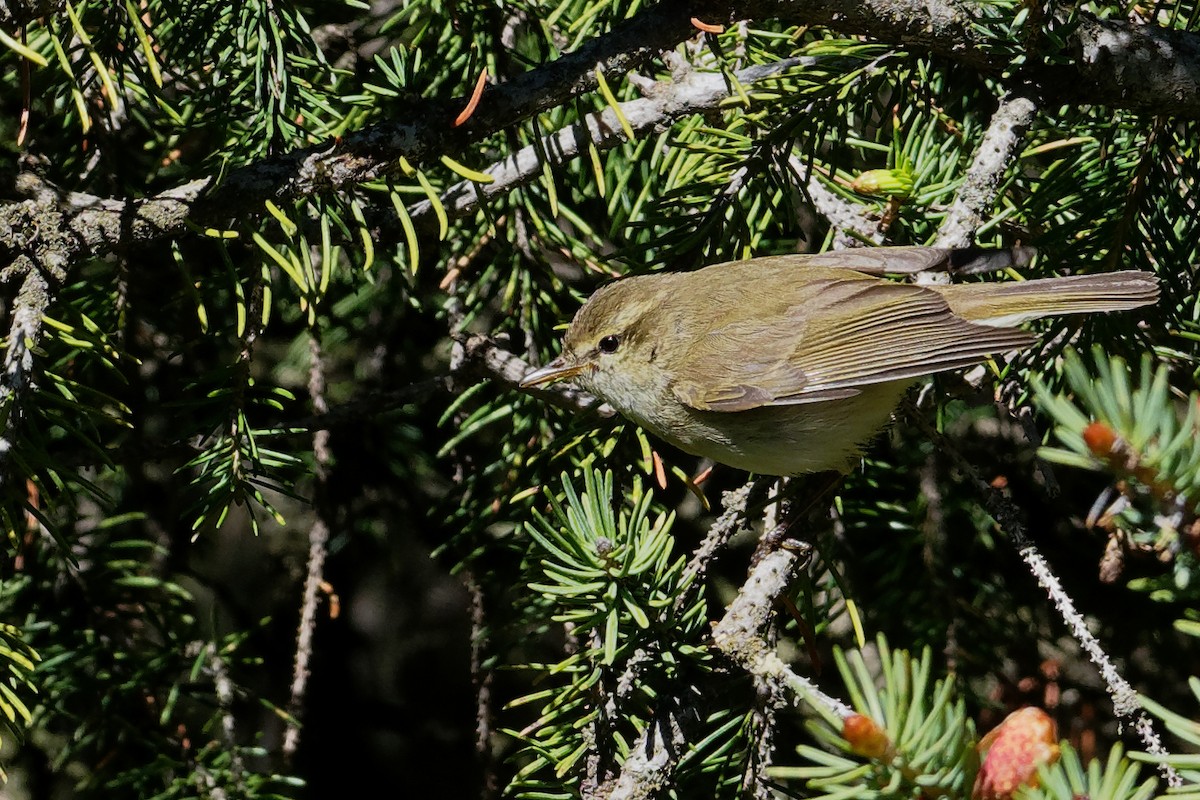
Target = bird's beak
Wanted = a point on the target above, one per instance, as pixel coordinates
(559, 369)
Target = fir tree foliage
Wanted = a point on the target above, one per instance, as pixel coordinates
(168, 381)
(1113, 779)
(1133, 425)
(927, 741)
(127, 668)
(922, 743)
(637, 623)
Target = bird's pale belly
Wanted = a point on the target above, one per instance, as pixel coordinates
(785, 439)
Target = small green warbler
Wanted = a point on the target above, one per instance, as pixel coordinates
(784, 365)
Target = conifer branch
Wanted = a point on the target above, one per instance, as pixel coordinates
(665, 101)
(654, 756)
(998, 149)
(1007, 516)
(1115, 63)
(737, 635)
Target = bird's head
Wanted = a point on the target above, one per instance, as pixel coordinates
(613, 343)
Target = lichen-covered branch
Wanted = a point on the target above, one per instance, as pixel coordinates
(738, 634)
(997, 151)
(654, 756)
(1115, 63)
(665, 102)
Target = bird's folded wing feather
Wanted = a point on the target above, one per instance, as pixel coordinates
(842, 335)
(908, 260)
(879, 260)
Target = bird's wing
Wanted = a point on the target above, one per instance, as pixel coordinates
(878, 260)
(845, 333)
(910, 260)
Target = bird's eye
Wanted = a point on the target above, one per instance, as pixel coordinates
(609, 344)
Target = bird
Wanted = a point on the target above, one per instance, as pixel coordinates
(788, 365)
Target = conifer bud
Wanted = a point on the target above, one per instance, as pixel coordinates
(865, 737)
(1012, 753)
(1100, 439)
(884, 182)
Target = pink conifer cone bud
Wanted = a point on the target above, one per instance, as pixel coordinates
(1012, 753)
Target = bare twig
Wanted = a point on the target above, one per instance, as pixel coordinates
(318, 541)
(481, 678)
(1125, 700)
(31, 304)
(997, 151)
(481, 357)
(719, 533)
(737, 634)
(1126, 704)
(473, 358)
(664, 103)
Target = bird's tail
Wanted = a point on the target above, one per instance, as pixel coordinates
(1014, 302)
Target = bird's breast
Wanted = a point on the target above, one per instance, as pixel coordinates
(781, 439)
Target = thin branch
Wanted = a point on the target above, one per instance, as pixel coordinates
(653, 758)
(224, 690)
(997, 151)
(666, 101)
(1125, 700)
(481, 679)
(318, 543)
(737, 634)
(719, 533)
(32, 301)
(473, 358)
(479, 356)
(39, 284)
(1126, 704)
(224, 687)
